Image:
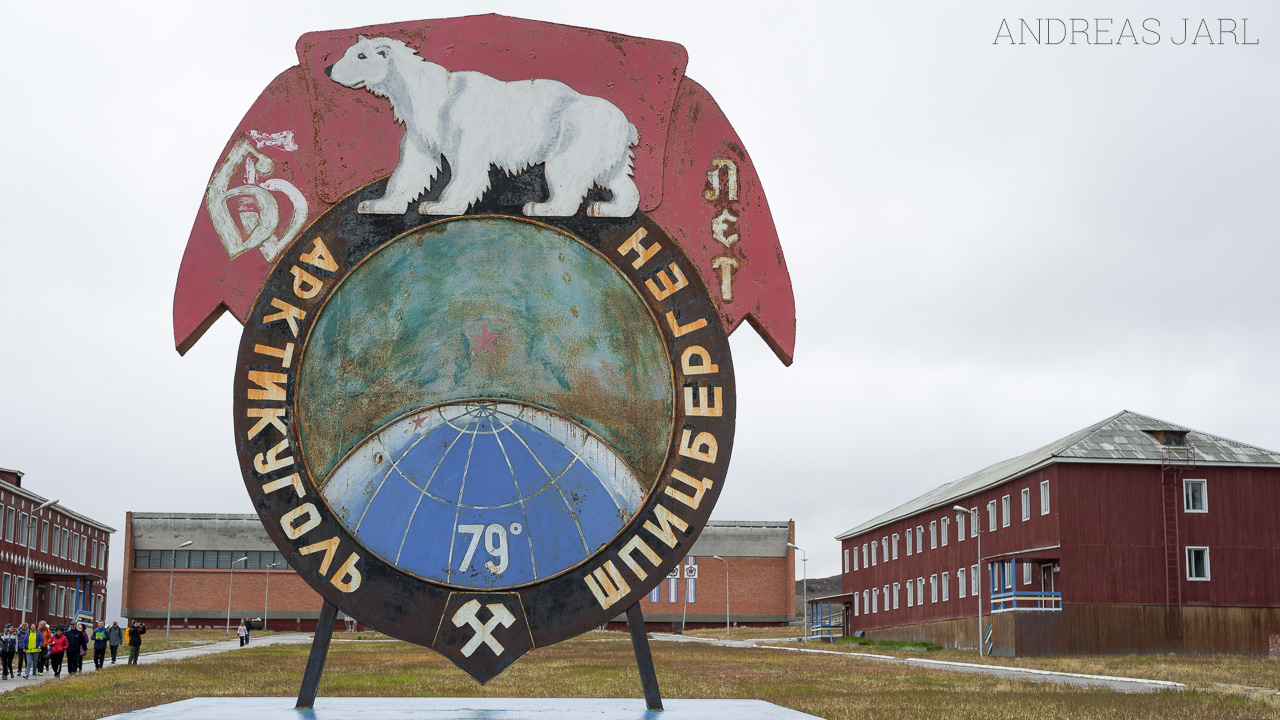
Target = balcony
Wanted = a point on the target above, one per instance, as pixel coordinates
(1024, 600)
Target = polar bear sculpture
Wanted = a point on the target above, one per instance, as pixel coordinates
(475, 120)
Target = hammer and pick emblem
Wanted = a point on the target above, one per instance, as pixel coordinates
(499, 615)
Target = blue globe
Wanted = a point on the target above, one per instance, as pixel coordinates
(484, 495)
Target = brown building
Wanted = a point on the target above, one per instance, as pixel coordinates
(1131, 535)
(51, 557)
(230, 569)
(760, 566)
(761, 579)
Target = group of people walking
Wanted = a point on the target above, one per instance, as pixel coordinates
(39, 647)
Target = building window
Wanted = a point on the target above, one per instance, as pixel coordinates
(973, 579)
(909, 542)
(991, 516)
(1197, 563)
(884, 548)
(895, 546)
(1004, 511)
(875, 546)
(23, 522)
(946, 586)
(8, 524)
(886, 597)
(959, 527)
(93, 555)
(896, 588)
(919, 591)
(1008, 575)
(973, 526)
(933, 534)
(961, 586)
(933, 588)
(919, 538)
(1026, 573)
(84, 545)
(1195, 498)
(1044, 497)
(946, 523)
(44, 536)
(846, 560)
(102, 555)
(4, 590)
(866, 602)
(57, 541)
(1026, 504)
(911, 594)
(866, 563)
(875, 600)
(62, 603)
(66, 542)
(856, 597)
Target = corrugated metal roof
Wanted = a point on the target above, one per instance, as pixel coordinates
(1123, 437)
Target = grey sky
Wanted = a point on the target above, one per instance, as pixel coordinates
(991, 246)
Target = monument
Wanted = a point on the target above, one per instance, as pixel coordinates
(487, 269)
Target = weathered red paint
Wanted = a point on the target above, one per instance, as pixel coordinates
(347, 139)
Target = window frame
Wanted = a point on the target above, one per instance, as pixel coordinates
(919, 591)
(933, 588)
(1044, 497)
(1204, 495)
(975, 526)
(1187, 559)
(895, 546)
(946, 527)
(846, 560)
(1006, 510)
(910, 533)
(946, 587)
(960, 526)
(962, 582)
(933, 534)
(991, 516)
(5, 589)
(974, 587)
(1026, 504)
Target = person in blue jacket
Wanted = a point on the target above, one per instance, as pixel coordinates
(99, 645)
(30, 643)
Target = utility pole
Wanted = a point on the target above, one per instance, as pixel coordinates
(168, 615)
(804, 560)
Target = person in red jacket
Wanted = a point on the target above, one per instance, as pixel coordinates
(57, 648)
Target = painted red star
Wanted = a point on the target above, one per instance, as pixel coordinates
(484, 340)
(417, 422)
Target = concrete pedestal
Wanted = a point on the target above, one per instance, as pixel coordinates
(277, 708)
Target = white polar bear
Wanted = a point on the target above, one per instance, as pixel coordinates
(475, 120)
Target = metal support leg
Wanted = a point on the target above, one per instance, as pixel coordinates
(315, 662)
(644, 660)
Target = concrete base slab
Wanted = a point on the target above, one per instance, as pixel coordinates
(365, 708)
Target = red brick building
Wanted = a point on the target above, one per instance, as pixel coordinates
(1131, 535)
(761, 576)
(230, 561)
(51, 557)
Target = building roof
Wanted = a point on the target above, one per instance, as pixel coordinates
(206, 531)
(1125, 437)
(743, 538)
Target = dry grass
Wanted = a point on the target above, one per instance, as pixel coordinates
(1197, 671)
(746, 633)
(601, 665)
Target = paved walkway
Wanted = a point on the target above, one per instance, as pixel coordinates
(147, 658)
(1119, 684)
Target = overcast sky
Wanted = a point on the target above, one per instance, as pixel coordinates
(991, 245)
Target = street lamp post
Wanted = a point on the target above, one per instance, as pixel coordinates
(266, 596)
(726, 593)
(168, 614)
(975, 519)
(231, 579)
(804, 561)
(29, 591)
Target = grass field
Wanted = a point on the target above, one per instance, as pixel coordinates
(602, 665)
(1197, 671)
